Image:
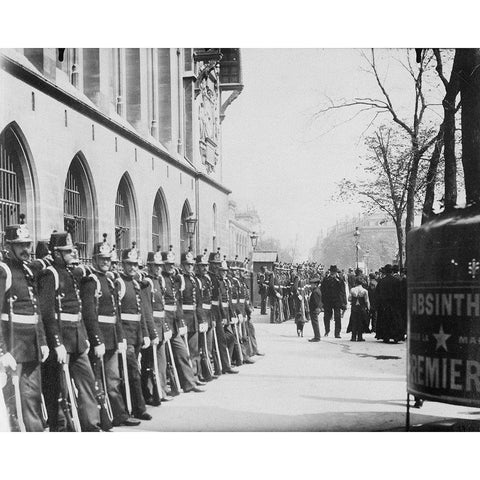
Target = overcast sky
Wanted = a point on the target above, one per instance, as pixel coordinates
(280, 160)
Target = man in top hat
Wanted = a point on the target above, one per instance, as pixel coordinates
(315, 304)
(174, 283)
(190, 296)
(22, 337)
(262, 289)
(61, 309)
(133, 315)
(220, 310)
(204, 311)
(104, 315)
(156, 291)
(334, 299)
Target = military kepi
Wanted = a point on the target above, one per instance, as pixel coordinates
(188, 257)
(169, 257)
(202, 259)
(61, 241)
(130, 255)
(102, 249)
(18, 233)
(155, 258)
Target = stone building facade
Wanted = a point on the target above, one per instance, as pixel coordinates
(124, 141)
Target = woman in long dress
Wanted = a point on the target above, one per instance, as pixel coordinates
(359, 313)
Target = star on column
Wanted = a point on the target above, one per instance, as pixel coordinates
(441, 338)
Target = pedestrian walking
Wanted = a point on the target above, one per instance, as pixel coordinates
(359, 301)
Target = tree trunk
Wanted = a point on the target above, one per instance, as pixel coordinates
(470, 98)
(412, 185)
(431, 177)
(398, 226)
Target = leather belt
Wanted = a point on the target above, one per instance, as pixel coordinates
(107, 319)
(170, 308)
(131, 317)
(70, 317)
(188, 307)
(206, 306)
(159, 314)
(25, 319)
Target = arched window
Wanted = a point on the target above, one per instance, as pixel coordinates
(184, 238)
(160, 236)
(16, 186)
(78, 207)
(125, 219)
(214, 223)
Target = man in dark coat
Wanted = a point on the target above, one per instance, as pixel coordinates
(315, 304)
(334, 300)
(262, 289)
(389, 319)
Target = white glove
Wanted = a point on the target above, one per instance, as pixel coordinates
(182, 331)
(146, 342)
(155, 341)
(167, 334)
(224, 321)
(202, 327)
(45, 352)
(99, 350)
(61, 354)
(122, 346)
(8, 361)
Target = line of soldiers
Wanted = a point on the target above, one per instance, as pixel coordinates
(86, 348)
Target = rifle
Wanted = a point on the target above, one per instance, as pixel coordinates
(126, 383)
(14, 375)
(157, 387)
(106, 414)
(205, 359)
(217, 351)
(172, 370)
(70, 387)
(237, 338)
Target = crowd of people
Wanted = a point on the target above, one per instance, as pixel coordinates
(302, 292)
(88, 347)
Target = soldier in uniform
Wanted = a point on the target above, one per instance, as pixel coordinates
(173, 315)
(190, 296)
(156, 293)
(61, 309)
(133, 314)
(220, 310)
(274, 295)
(23, 348)
(106, 326)
(262, 289)
(316, 306)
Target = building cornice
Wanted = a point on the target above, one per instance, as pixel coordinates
(49, 88)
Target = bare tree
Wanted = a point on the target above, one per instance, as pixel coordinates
(420, 138)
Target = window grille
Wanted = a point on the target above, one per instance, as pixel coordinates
(122, 219)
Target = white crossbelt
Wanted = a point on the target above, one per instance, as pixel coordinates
(159, 314)
(170, 308)
(107, 319)
(225, 304)
(241, 300)
(70, 317)
(25, 319)
(206, 306)
(132, 317)
(188, 307)
(215, 302)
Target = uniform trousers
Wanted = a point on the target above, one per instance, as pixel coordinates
(135, 381)
(193, 346)
(147, 365)
(263, 303)
(114, 382)
(180, 354)
(252, 336)
(30, 382)
(329, 311)
(82, 374)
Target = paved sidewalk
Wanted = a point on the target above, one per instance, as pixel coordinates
(333, 385)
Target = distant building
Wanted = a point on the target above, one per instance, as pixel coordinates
(125, 141)
(241, 224)
(377, 243)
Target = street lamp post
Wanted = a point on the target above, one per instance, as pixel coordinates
(190, 224)
(356, 236)
(254, 240)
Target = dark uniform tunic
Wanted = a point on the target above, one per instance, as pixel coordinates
(173, 315)
(204, 311)
(155, 292)
(134, 323)
(103, 325)
(64, 325)
(16, 280)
